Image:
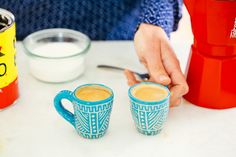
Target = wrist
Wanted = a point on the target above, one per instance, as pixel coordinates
(151, 31)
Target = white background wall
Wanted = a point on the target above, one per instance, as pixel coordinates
(184, 33)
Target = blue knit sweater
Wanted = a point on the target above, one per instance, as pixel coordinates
(99, 19)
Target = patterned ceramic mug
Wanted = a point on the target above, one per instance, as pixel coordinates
(149, 116)
(90, 118)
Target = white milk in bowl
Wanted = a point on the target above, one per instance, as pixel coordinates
(56, 55)
(58, 62)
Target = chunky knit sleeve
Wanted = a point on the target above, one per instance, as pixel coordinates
(163, 13)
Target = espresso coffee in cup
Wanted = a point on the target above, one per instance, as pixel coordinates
(149, 106)
(92, 93)
(92, 105)
(149, 92)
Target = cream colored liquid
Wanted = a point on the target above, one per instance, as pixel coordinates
(147, 92)
(92, 93)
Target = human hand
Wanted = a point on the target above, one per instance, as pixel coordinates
(156, 54)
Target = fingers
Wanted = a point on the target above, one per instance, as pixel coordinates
(156, 54)
(153, 62)
(179, 85)
(148, 47)
(130, 77)
(175, 98)
(156, 69)
(176, 103)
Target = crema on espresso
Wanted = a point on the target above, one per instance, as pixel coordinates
(149, 92)
(92, 93)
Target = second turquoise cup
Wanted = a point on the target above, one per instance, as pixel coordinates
(149, 116)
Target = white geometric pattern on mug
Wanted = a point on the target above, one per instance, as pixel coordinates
(148, 108)
(95, 108)
(147, 119)
(93, 122)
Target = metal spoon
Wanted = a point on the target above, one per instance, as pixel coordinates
(144, 76)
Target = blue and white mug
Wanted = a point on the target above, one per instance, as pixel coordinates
(149, 116)
(90, 118)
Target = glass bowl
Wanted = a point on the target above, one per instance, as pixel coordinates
(56, 55)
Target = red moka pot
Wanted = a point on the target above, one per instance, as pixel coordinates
(211, 72)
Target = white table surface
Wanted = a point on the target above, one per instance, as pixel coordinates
(32, 127)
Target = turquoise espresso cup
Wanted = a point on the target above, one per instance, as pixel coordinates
(90, 118)
(149, 116)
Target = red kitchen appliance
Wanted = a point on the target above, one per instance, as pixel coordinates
(211, 72)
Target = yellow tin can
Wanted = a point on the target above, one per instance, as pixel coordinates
(8, 70)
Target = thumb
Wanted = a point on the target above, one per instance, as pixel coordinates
(157, 71)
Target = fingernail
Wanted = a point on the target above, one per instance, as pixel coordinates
(163, 78)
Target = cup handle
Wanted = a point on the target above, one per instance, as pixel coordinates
(67, 115)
